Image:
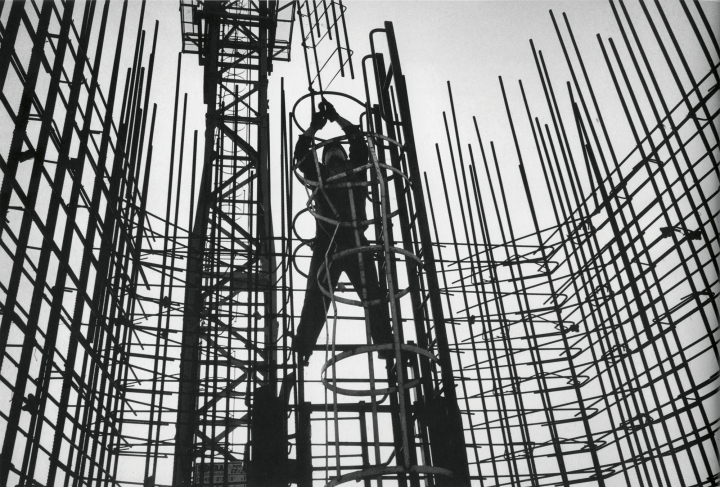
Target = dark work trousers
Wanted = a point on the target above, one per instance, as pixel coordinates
(317, 304)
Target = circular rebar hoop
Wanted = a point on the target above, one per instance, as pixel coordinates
(369, 349)
(335, 182)
(378, 471)
(350, 224)
(305, 241)
(357, 250)
(369, 165)
(321, 94)
(295, 259)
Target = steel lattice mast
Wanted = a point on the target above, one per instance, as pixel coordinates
(229, 362)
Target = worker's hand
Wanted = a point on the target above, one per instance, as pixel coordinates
(318, 120)
(329, 110)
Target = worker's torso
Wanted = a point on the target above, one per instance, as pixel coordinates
(343, 198)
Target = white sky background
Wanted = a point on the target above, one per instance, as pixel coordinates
(468, 43)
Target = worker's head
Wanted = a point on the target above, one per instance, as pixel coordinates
(334, 153)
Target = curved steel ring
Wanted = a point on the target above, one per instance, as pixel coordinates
(357, 250)
(314, 186)
(369, 349)
(294, 259)
(378, 471)
(306, 241)
(321, 93)
(341, 138)
(351, 223)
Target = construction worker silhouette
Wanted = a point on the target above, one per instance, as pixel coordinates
(339, 200)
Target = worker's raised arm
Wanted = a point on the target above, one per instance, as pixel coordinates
(358, 146)
(319, 119)
(342, 122)
(303, 154)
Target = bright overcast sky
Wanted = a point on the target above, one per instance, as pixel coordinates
(469, 44)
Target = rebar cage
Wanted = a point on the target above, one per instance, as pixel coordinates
(553, 299)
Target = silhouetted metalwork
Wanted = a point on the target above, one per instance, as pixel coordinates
(230, 328)
(552, 325)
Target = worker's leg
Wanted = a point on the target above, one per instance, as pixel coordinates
(380, 327)
(316, 303)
